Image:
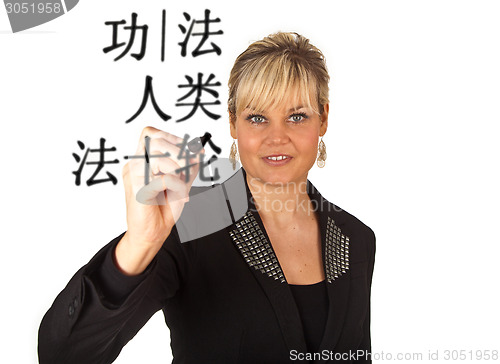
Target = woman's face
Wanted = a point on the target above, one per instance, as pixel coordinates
(279, 146)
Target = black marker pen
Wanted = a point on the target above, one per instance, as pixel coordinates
(196, 144)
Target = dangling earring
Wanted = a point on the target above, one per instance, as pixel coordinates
(320, 161)
(233, 154)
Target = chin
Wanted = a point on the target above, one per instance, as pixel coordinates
(279, 178)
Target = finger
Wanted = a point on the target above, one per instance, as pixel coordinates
(143, 172)
(134, 177)
(195, 168)
(153, 193)
(160, 164)
(154, 133)
(164, 146)
(159, 149)
(178, 151)
(167, 158)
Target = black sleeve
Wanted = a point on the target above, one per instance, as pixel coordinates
(114, 286)
(100, 309)
(366, 343)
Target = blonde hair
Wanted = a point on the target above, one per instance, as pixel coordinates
(269, 69)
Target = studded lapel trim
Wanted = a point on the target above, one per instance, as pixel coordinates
(259, 254)
(255, 248)
(336, 251)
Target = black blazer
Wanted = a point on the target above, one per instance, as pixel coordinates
(224, 297)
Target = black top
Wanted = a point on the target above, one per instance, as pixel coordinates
(312, 302)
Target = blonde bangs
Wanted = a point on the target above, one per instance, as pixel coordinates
(267, 85)
(283, 67)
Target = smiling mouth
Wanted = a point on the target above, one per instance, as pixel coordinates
(277, 157)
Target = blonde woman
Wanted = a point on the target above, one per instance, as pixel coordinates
(286, 278)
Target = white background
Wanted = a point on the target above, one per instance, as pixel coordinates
(412, 151)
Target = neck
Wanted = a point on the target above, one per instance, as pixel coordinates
(280, 202)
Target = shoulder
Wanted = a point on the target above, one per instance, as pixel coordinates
(351, 223)
(361, 236)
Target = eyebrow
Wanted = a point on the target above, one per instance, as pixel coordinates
(292, 109)
(296, 108)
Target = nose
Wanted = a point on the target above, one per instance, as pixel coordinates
(277, 133)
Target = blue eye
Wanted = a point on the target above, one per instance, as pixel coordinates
(256, 119)
(297, 118)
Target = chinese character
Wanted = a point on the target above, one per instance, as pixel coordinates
(148, 93)
(185, 153)
(199, 88)
(213, 158)
(214, 147)
(163, 13)
(133, 27)
(147, 156)
(203, 165)
(100, 164)
(204, 35)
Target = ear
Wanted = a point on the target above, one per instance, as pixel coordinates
(232, 125)
(324, 119)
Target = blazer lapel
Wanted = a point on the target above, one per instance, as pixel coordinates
(254, 245)
(250, 237)
(335, 253)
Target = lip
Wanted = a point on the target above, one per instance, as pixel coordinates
(278, 162)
